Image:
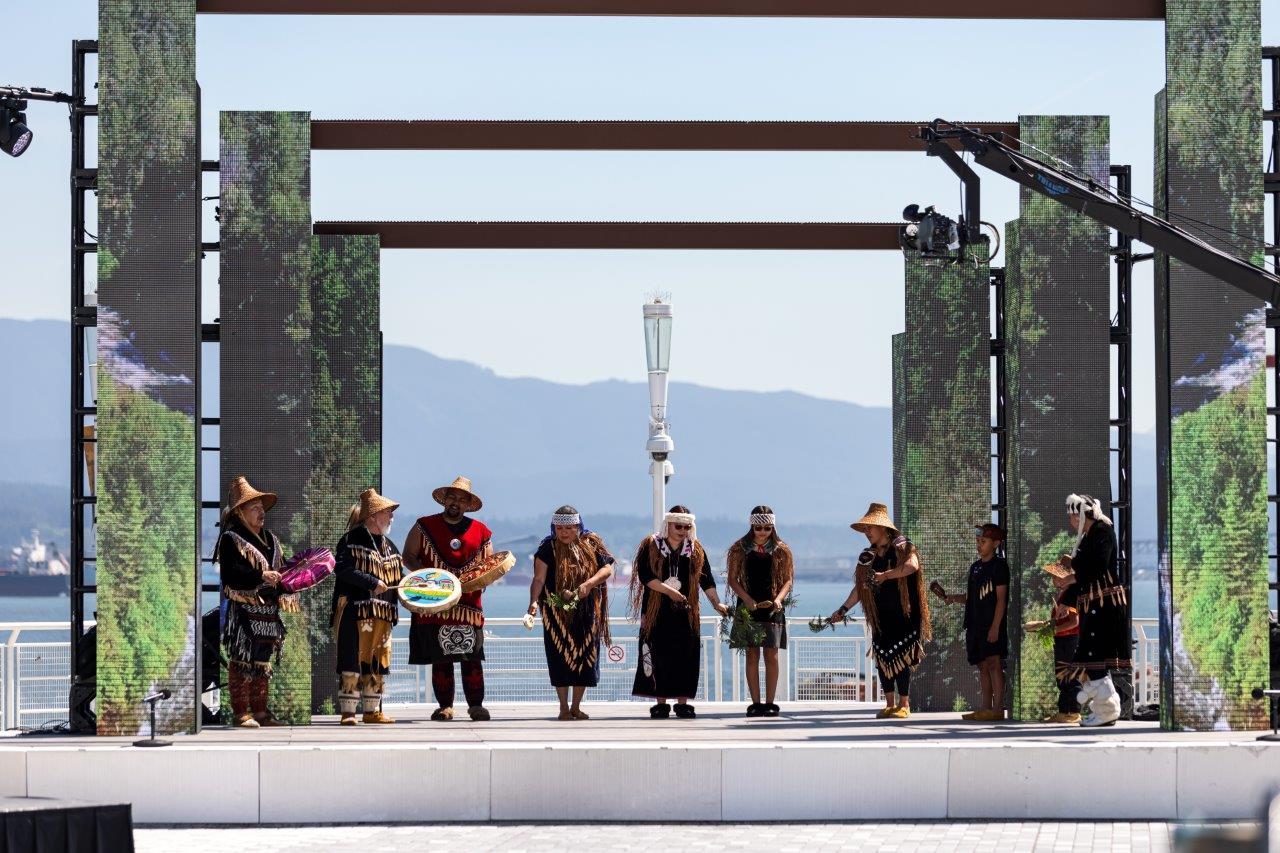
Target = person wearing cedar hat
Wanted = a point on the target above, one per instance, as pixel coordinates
(451, 541)
(250, 559)
(985, 605)
(889, 581)
(365, 607)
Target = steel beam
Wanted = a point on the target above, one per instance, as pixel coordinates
(974, 9)
(369, 135)
(624, 235)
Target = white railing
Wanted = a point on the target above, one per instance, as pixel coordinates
(830, 666)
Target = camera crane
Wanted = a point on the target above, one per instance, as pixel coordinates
(933, 235)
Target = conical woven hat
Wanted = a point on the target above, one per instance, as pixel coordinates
(877, 516)
(372, 503)
(471, 501)
(240, 493)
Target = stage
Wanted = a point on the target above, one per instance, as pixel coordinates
(825, 761)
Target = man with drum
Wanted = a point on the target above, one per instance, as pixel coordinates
(461, 545)
(365, 607)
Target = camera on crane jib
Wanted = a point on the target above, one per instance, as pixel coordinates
(930, 234)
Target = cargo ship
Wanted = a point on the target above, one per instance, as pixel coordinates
(35, 568)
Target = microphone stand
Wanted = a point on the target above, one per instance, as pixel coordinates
(153, 740)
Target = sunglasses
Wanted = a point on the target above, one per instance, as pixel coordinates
(760, 528)
(682, 526)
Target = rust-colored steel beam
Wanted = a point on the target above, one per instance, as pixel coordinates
(369, 135)
(1008, 9)
(624, 235)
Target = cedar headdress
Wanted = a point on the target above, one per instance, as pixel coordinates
(783, 561)
(578, 560)
(656, 551)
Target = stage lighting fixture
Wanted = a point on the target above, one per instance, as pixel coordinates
(15, 136)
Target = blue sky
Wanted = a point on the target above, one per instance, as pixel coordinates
(814, 322)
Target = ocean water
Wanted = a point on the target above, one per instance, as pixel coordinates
(511, 600)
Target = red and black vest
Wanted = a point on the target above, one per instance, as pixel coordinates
(439, 551)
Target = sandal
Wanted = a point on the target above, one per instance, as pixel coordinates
(755, 709)
(579, 714)
(660, 711)
(772, 710)
(442, 715)
(685, 711)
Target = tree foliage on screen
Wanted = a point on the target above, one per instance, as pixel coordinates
(944, 476)
(1057, 321)
(266, 343)
(1211, 388)
(148, 364)
(346, 414)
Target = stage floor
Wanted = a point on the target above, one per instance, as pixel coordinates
(815, 762)
(718, 723)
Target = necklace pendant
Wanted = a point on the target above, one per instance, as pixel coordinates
(455, 543)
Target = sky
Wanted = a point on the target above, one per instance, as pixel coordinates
(814, 322)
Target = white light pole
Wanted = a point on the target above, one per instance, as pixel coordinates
(657, 349)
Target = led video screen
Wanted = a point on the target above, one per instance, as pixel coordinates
(265, 350)
(1058, 368)
(1211, 386)
(346, 415)
(148, 570)
(944, 474)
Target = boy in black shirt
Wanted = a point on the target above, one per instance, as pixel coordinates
(985, 604)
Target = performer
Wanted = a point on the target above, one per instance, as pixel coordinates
(761, 573)
(1066, 638)
(986, 635)
(365, 608)
(570, 562)
(889, 582)
(1104, 611)
(252, 631)
(451, 541)
(667, 573)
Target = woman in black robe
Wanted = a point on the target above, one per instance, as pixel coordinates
(574, 566)
(667, 574)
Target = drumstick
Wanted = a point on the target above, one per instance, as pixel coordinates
(936, 589)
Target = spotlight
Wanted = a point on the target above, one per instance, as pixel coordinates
(15, 136)
(928, 233)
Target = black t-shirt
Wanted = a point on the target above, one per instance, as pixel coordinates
(984, 577)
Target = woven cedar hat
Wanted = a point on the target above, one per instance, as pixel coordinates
(372, 503)
(877, 516)
(471, 501)
(240, 493)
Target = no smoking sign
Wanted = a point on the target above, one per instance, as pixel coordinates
(617, 654)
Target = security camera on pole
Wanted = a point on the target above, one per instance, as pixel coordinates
(657, 347)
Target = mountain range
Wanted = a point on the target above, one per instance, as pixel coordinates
(530, 445)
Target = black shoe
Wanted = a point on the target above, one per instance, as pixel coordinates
(660, 711)
(772, 710)
(479, 713)
(755, 709)
(685, 712)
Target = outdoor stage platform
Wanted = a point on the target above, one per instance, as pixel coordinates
(824, 761)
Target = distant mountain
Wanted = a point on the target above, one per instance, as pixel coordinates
(531, 445)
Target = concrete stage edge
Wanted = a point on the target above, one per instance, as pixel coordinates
(816, 762)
